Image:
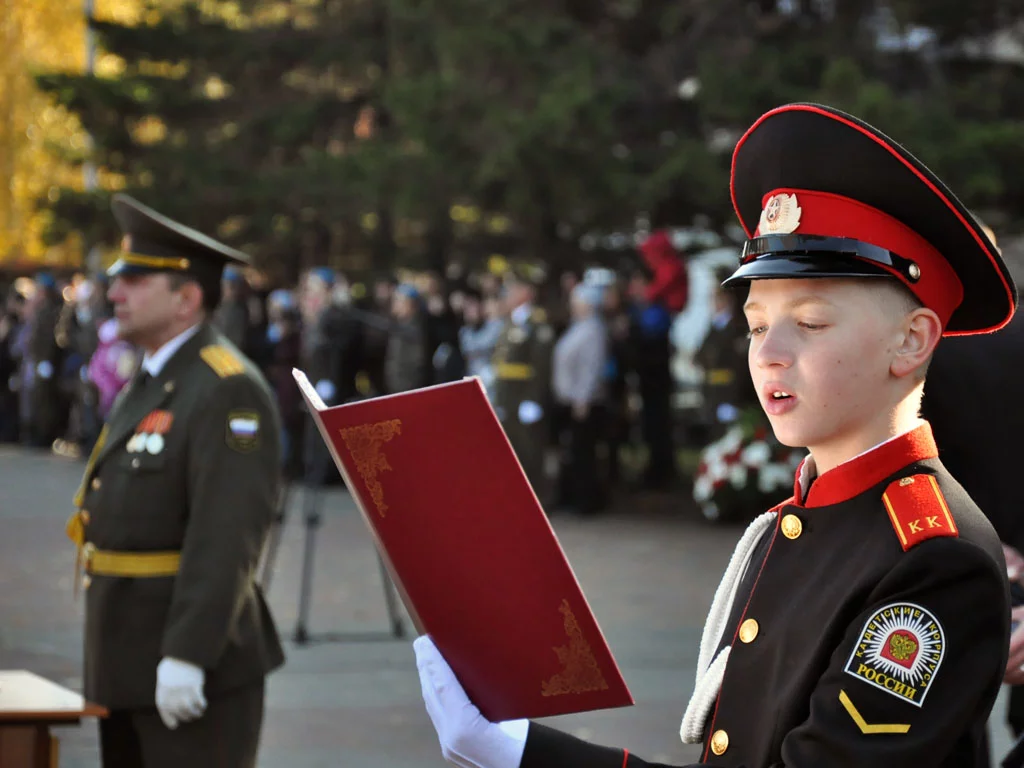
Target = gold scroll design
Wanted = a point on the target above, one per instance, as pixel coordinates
(365, 443)
(580, 671)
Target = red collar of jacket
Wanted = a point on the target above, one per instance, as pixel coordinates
(867, 470)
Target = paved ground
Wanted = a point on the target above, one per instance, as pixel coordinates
(649, 575)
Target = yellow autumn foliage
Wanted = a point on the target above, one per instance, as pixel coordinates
(41, 35)
(51, 36)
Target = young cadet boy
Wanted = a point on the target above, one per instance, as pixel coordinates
(864, 621)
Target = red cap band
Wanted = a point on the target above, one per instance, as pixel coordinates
(828, 215)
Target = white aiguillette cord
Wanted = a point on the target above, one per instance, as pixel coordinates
(710, 673)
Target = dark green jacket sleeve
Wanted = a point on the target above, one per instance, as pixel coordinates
(233, 481)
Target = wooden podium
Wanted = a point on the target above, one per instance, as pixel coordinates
(29, 705)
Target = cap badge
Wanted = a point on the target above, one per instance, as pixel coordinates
(781, 215)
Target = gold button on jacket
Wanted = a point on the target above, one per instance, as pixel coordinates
(720, 742)
(749, 630)
(792, 527)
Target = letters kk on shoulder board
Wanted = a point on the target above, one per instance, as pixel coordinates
(470, 549)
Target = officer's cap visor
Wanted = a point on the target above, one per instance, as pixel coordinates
(804, 256)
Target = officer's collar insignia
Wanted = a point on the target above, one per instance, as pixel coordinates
(899, 651)
(149, 435)
(780, 216)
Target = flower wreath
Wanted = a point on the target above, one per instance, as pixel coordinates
(745, 472)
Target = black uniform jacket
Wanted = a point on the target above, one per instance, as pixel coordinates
(205, 487)
(882, 621)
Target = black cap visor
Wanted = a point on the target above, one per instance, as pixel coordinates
(804, 256)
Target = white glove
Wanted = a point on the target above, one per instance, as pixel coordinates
(325, 388)
(179, 691)
(45, 369)
(529, 412)
(468, 740)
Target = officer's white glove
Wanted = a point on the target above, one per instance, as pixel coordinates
(179, 691)
(325, 388)
(45, 369)
(468, 740)
(529, 412)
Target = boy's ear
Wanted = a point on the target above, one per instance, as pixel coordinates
(922, 330)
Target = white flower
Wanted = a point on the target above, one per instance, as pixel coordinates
(717, 470)
(756, 454)
(738, 475)
(774, 476)
(702, 488)
(733, 439)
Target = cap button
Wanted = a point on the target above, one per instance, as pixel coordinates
(914, 271)
(96, 483)
(792, 527)
(719, 742)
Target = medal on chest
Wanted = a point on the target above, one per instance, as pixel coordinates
(149, 435)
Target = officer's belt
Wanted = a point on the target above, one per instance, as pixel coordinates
(101, 562)
(518, 371)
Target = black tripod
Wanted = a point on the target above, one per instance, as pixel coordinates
(319, 465)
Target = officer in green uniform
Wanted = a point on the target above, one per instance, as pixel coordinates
(723, 357)
(522, 377)
(175, 505)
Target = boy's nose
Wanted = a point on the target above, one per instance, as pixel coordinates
(774, 349)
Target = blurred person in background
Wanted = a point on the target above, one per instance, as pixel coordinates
(651, 356)
(619, 359)
(232, 314)
(375, 334)
(11, 321)
(441, 326)
(283, 352)
(111, 366)
(669, 285)
(42, 365)
(522, 378)
(578, 386)
(478, 337)
(723, 357)
(407, 364)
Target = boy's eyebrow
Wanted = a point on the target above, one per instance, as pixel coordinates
(753, 306)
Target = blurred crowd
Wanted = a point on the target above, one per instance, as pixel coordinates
(601, 378)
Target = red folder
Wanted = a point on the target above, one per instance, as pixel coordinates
(470, 549)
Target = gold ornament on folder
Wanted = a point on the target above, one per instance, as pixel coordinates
(365, 443)
(580, 673)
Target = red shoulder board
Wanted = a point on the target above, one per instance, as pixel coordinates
(918, 510)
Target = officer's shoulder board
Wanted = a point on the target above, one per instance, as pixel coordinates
(222, 360)
(918, 510)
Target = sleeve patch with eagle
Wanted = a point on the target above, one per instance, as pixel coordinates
(899, 651)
